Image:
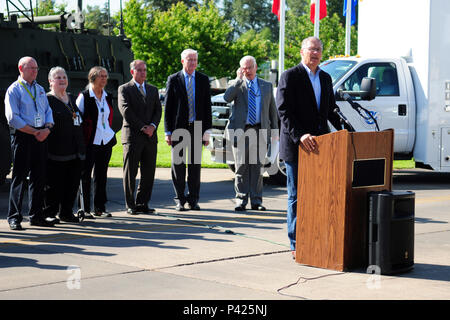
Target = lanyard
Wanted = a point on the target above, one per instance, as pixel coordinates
(70, 108)
(102, 110)
(32, 97)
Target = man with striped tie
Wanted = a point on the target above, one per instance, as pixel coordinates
(252, 121)
(187, 121)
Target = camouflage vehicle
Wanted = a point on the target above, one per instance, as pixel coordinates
(71, 46)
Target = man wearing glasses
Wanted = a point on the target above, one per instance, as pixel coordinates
(253, 117)
(28, 112)
(305, 101)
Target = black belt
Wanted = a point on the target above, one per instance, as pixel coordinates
(254, 126)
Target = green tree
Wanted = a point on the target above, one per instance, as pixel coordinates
(97, 18)
(245, 15)
(48, 8)
(159, 37)
(164, 5)
(298, 7)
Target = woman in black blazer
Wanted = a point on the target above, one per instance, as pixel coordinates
(66, 150)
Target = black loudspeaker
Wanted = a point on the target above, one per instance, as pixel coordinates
(391, 231)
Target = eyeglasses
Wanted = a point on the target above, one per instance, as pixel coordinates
(314, 49)
(32, 68)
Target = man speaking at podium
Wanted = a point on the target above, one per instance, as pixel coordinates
(305, 101)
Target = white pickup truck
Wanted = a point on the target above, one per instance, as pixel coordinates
(405, 46)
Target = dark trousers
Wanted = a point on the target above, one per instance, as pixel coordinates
(97, 159)
(193, 171)
(29, 159)
(63, 181)
(141, 153)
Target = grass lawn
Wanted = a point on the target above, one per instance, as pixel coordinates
(163, 157)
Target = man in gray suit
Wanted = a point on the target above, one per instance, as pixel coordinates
(253, 118)
(141, 110)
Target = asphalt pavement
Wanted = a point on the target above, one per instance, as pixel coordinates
(211, 254)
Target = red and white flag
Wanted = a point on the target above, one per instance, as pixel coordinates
(323, 10)
(276, 8)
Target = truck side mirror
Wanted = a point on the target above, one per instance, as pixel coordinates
(368, 91)
(368, 88)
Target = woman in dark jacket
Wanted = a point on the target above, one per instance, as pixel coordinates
(66, 149)
(95, 105)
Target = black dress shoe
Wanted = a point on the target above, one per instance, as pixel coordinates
(144, 209)
(86, 215)
(258, 207)
(69, 218)
(132, 211)
(102, 214)
(15, 225)
(53, 220)
(180, 207)
(194, 206)
(41, 223)
(239, 208)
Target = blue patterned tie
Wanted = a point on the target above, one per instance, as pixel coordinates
(190, 93)
(251, 104)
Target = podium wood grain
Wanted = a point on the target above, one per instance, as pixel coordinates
(331, 215)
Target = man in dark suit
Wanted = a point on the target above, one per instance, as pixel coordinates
(141, 110)
(305, 101)
(187, 119)
(255, 114)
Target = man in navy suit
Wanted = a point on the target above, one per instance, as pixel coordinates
(305, 101)
(188, 111)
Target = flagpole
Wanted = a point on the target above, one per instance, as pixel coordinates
(348, 18)
(317, 19)
(281, 41)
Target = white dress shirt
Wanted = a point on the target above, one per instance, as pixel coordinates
(103, 132)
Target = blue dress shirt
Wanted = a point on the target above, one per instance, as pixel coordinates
(22, 110)
(315, 82)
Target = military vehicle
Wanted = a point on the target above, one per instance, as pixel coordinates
(70, 46)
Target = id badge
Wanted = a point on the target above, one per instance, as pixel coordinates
(38, 121)
(76, 120)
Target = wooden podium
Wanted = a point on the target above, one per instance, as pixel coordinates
(333, 182)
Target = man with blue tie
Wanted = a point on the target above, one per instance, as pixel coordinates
(252, 120)
(187, 110)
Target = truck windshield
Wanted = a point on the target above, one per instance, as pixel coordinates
(337, 68)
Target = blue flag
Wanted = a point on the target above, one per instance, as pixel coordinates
(354, 3)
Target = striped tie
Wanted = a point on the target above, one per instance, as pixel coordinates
(251, 104)
(141, 89)
(190, 93)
